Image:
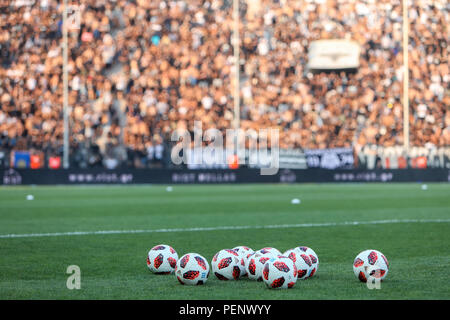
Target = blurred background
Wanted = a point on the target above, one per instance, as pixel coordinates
(329, 74)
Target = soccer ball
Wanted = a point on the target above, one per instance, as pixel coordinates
(314, 260)
(301, 260)
(226, 265)
(280, 273)
(255, 264)
(271, 250)
(162, 259)
(243, 252)
(370, 263)
(192, 269)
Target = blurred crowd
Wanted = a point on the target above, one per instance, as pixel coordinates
(140, 70)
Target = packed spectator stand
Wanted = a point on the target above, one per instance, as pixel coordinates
(139, 69)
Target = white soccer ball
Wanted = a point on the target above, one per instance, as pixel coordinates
(243, 252)
(370, 263)
(280, 273)
(162, 259)
(314, 260)
(301, 260)
(271, 250)
(226, 265)
(192, 269)
(255, 264)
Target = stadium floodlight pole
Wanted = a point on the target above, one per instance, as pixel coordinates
(237, 102)
(405, 77)
(236, 65)
(65, 89)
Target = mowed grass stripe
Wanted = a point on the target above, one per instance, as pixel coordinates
(276, 226)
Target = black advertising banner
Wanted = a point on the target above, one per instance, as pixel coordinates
(242, 175)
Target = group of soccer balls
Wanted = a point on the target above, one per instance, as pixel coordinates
(277, 270)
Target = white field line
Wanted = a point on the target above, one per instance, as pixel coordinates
(274, 226)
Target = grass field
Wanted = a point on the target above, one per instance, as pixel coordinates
(414, 236)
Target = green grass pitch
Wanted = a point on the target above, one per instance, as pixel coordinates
(113, 266)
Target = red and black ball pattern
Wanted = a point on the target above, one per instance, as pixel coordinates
(277, 282)
(158, 261)
(281, 266)
(191, 275)
(372, 257)
(201, 262)
(184, 261)
(225, 262)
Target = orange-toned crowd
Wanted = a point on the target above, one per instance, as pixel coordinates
(139, 69)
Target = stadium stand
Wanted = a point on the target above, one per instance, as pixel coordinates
(138, 70)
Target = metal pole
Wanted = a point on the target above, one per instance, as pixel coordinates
(405, 77)
(65, 90)
(237, 102)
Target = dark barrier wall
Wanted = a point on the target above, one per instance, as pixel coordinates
(171, 176)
